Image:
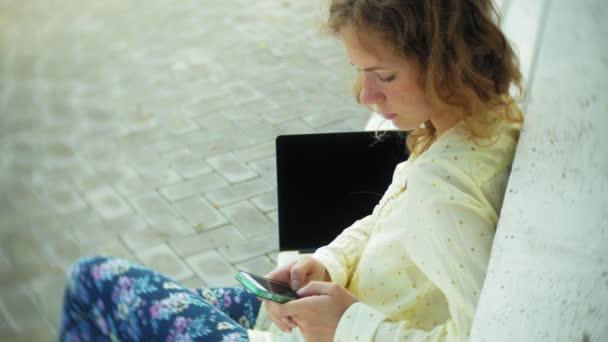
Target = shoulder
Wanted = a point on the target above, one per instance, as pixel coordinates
(457, 156)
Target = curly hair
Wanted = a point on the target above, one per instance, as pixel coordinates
(467, 65)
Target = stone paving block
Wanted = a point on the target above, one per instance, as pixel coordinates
(48, 296)
(188, 164)
(94, 234)
(63, 253)
(213, 269)
(134, 186)
(218, 124)
(231, 168)
(238, 192)
(22, 171)
(219, 145)
(26, 257)
(247, 219)
(152, 205)
(192, 187)
(256, 152)
(114, 248)
(242, 250)
(23, 195)
(257, 127)
(329, 116)
(193, 283)
(38, 334)
(200, 213)
(273, 216)
(245, 92)
(178, 125)
(65, 201)
(198, 137)
(297, 126)
(137, 241)
(80, 218)
(5, 317)
(156, 234)
(214, 146)
(4, 324)
(216, 238)
(107, 202)
(252, 109)
(266, 202)
(261, 265)
(285, 113)
(267, 168)
(160, 176)
(274, 256)
(208, 105)
(191, 168)
(174, 227)
(164, 260)
(21, 309)
(6, 265)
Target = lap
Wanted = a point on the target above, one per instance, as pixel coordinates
(128, 301)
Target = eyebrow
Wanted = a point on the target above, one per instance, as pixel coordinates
(374, 68)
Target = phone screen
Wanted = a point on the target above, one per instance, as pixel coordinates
(274, 286)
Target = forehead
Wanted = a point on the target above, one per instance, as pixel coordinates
(364, 51)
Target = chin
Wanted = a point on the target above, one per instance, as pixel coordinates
(404, 127)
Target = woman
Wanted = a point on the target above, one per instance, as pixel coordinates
(413, 269)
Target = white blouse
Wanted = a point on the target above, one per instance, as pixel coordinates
(418, 262)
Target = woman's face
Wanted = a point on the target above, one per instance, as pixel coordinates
(390, 82)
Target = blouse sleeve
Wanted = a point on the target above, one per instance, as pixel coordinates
(449, 226)
(341, 256)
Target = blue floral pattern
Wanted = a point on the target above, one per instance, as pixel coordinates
(108, 299)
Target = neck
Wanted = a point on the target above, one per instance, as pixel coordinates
(444, 122)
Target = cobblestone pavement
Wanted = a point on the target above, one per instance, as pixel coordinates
(145, 130)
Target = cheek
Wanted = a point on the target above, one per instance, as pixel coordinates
(408, 92)
(411, 94)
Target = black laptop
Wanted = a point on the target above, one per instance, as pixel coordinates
(327, 181)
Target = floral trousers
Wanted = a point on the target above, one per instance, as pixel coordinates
(108, 299)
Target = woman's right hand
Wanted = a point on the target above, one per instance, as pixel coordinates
(298, 274)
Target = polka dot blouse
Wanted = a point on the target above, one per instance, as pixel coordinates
(418, 262)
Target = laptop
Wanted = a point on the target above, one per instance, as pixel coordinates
(327, 181)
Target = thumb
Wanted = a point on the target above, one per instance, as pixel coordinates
(317, 288)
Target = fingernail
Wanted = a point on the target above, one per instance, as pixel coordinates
(295, 284)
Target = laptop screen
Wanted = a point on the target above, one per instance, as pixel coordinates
(327, 181)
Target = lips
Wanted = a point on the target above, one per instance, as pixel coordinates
(390, 116)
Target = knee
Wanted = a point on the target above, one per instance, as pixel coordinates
(81, 270)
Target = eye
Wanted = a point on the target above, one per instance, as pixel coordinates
(388, 78)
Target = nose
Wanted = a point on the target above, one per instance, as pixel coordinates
(370, 92)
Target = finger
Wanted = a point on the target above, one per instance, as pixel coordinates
(298, 306)
(317, 288)
(282, 274)
(299, 272)
(281, 322)
(288, 321)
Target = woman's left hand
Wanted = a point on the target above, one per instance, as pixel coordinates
(319, 310)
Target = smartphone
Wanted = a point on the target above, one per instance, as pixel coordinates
(266, 288)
